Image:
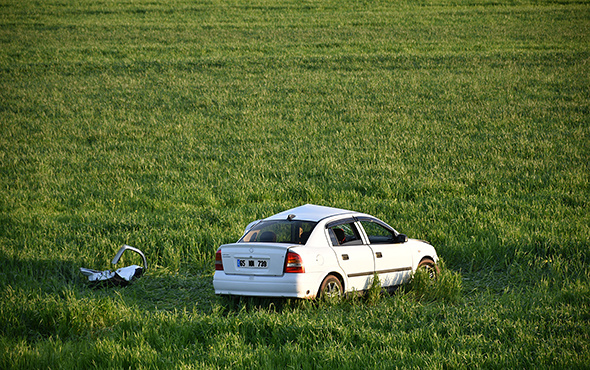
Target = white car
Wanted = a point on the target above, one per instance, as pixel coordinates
(313, 250)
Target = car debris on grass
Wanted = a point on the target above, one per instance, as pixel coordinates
(120, 277)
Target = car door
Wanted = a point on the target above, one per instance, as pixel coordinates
(393, 259)
(354, 256)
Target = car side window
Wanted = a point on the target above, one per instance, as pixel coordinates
(344, 234)
(377, 233)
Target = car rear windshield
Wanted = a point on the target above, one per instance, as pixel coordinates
(280, 231)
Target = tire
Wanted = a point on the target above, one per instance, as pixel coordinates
(331, 287)
(429, 265)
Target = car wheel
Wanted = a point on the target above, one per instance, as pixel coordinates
(431, 267)
(331, 287)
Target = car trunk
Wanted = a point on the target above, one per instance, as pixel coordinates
(261, 259)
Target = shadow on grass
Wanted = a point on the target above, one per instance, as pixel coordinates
(44, 273)
(161, 290)
(164, 290)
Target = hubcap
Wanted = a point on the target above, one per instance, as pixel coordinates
(431, 272)
(332, 289)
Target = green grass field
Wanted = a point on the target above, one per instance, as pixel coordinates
(169, 125)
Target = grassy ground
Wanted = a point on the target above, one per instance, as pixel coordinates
(169, 125)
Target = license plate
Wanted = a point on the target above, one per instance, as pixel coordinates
(252, 263)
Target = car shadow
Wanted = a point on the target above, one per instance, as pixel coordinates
(234, 304)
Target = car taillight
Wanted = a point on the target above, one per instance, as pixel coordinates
(294, 263)
(218, 261)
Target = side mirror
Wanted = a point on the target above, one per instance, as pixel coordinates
(401, 238)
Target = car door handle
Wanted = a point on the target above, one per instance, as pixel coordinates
(378, 254)
(345, 257)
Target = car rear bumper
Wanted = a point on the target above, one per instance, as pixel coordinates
(288, 285)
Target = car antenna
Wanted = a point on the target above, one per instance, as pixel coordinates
(291, 217)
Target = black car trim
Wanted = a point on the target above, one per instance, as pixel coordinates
(377, 221)
(394, 270)
(361, 274)
(379, 272)
(342, 221)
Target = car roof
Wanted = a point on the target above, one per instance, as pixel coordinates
(310, 212)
